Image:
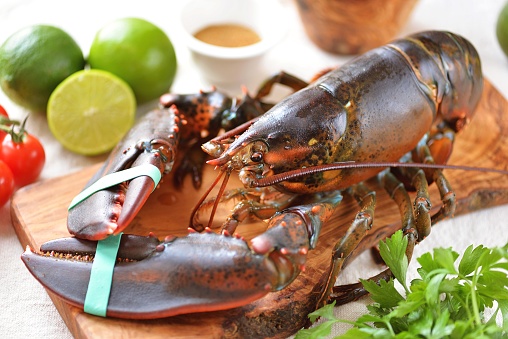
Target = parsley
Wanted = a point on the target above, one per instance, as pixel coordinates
(447, 301)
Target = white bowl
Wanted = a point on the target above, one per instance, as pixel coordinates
(231, 65)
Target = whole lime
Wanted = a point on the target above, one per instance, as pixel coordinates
(138, 52)
(502, 29)
(34, 60)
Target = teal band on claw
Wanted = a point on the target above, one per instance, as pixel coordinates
(101, 276)
(116, 178)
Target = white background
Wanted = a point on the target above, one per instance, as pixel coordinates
(26, 309)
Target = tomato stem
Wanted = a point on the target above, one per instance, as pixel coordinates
(14, 128)
(6, 123)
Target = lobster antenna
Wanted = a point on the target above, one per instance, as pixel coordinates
(205, 195)
(274, 179)
(219, 195)
(235, 131)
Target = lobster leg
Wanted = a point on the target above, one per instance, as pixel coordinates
(255, 208)
(347, 293)
(253, 203)
(399, 194)
(191, 164)
(422, 204)
(447, 197)
(152, 141)
(415, 224)
(410, 223)
(437, 149)
(282, 78)
(346, 245)
(344, 294)
(420, 219)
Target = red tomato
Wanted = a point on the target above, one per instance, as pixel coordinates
(25, 159)
(6, 183)
(3, 111)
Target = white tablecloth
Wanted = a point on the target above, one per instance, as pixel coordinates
(26, 309)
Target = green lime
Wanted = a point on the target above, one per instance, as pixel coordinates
(138, 52)
(90, 111)
(34, 60)
(502, 29)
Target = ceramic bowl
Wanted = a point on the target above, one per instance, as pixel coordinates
(231, 65)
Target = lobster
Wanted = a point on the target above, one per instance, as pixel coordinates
(392, 113)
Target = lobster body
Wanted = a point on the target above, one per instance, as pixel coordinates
(375, 108)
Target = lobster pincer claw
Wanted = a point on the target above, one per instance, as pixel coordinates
(153, 141)
(200, 272)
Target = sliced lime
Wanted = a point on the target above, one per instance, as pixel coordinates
(90, 111)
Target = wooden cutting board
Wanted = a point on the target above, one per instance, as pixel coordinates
(484, 143)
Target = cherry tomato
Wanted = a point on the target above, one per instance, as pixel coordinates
(25, 158)
(6, 183)
(3, 111)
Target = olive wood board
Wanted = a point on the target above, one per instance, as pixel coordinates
(279, 314)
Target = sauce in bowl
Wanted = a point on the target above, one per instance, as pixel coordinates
(228, 35)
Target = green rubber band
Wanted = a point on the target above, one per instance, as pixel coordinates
(116, 178)
(101, 276)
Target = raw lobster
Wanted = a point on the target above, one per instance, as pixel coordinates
(400, 102)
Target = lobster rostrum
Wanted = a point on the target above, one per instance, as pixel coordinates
(398, 104)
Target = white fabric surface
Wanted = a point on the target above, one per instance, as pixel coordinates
(26, 309)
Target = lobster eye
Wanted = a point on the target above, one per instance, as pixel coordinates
(256, 156)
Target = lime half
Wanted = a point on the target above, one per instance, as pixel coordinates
(90, 111)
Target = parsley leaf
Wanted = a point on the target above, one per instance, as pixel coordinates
(385, 294)
(324, 329)
(393, 252)
(449, 299)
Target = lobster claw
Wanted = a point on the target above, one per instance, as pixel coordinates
(154, 279)
(108, 211)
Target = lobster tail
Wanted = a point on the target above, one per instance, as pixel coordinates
(449, 70)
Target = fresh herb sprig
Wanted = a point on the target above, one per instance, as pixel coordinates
(447, 301)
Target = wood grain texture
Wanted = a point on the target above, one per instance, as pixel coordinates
(484, 143)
